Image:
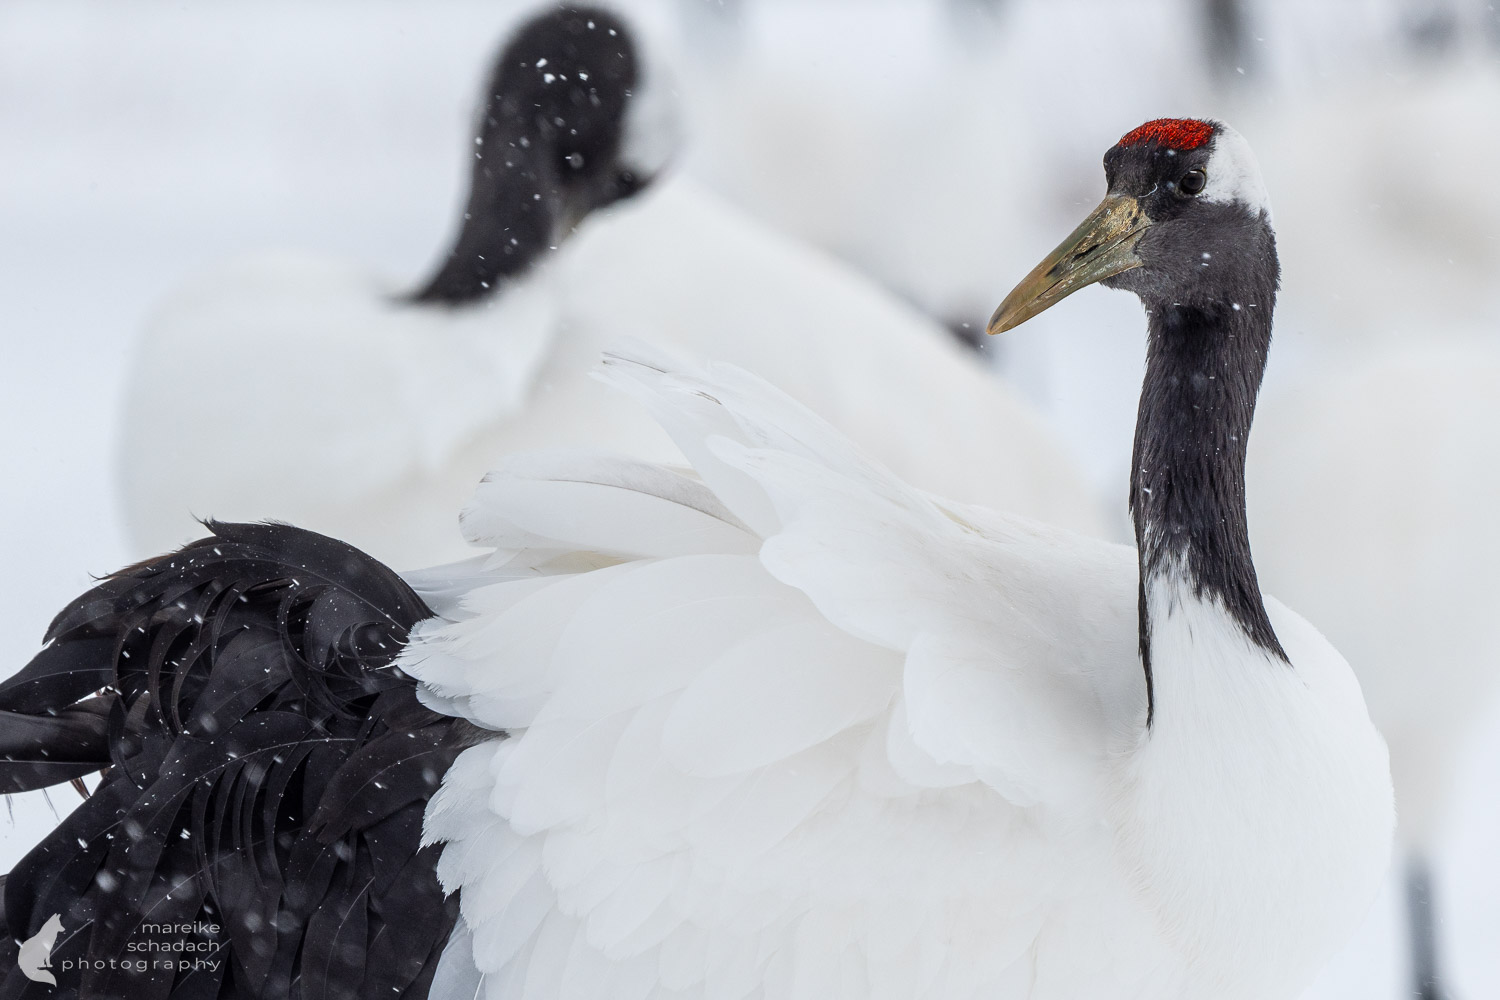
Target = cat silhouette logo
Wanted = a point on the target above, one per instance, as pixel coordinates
(35, 957)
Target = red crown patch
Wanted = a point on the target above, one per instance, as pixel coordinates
(1180, 134)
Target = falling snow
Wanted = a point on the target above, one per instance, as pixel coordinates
(235, 167)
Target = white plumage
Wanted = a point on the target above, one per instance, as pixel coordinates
(305, 389)
(791, 728)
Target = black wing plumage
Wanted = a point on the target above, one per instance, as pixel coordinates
(266, 766)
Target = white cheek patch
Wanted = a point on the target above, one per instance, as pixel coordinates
(1234, 173)
(652, 131)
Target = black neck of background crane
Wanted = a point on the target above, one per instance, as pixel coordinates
(510, 220)
(1187, 484)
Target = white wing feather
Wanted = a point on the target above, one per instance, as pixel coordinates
(796, 738)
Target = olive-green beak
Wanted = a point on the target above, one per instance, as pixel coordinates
(1104, 244)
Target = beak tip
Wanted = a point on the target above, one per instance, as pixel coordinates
(1005, 318)
(1103, 245)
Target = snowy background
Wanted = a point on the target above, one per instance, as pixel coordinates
(941, 147)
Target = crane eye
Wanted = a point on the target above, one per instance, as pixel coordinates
(1192, 182)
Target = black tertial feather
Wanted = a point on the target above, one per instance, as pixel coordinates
(268, 766)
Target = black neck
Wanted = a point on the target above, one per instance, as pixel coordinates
(1187, 485)
(505, 228)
